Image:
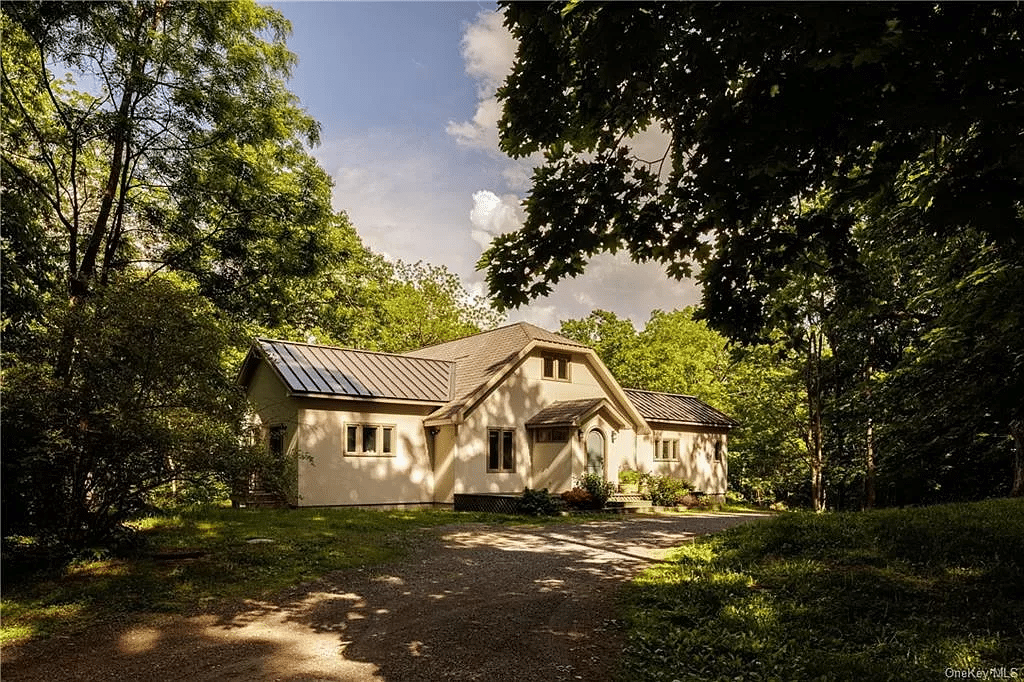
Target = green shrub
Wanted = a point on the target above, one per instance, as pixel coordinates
(629, 477)
(538, 503)
(598, 488)
(665, 491)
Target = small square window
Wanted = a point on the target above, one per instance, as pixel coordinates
(666, 449)
(556, 367)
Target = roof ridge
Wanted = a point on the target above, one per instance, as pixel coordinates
(352, 350)
(521, 326)
(678, 395)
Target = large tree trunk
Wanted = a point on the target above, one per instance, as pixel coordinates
(1017, 431)
(815, 441)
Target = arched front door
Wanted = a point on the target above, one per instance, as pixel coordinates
(595, 453)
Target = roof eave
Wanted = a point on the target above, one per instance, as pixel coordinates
(365, 398)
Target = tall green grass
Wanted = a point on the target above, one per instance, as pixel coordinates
(893, 594)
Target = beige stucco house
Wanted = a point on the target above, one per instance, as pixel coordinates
(495, 412)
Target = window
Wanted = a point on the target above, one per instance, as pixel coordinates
(666, 450)
(501, 455)
(552, 435)
(276, 441)
(556, 367)
(369, 440)
(719, 448)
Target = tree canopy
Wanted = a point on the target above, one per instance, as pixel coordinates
(839, 178)
(160, 207)
(765, 107)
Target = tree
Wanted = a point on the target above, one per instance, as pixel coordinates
(147, 402)
(788, 129)
(764, 107)
(154, 197)
(760, 386)
(182, 150)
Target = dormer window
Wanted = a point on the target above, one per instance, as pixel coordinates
(556, 367)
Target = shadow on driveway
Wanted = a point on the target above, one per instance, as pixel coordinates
(479, 603)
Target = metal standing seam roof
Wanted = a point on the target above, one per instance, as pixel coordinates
(342, 372)
(680, 409)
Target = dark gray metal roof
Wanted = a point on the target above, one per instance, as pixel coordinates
(677, 409)
(341, 372)
(567, 412)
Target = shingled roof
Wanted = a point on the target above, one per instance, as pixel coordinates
(326, 371)
(672, 408)
(479, 357)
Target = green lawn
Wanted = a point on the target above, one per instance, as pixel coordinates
(307, 543)
(894, 594)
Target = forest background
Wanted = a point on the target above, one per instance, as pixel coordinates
(161, 208)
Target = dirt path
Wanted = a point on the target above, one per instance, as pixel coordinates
(481, 603)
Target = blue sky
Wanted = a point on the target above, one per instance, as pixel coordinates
(404, 93)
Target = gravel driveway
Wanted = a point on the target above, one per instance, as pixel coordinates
(479, 603)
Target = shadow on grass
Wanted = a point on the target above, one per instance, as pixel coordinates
(843, 597)
(492, 602)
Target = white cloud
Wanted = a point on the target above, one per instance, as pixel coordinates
(489, 51)
(492, 215)
(613, 283)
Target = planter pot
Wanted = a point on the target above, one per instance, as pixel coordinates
(629, 488)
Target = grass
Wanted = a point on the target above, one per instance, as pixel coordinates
(216, 563)
(897, 594)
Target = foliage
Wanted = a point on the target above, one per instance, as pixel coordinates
(760, 386)
(665, 491)
(307, 543)
(836, 597)
(410, 306)
(190, 156)
(600, 490)
(538, 503)
(147, 402)
(851, 210)
(630, 477)
(762, 107)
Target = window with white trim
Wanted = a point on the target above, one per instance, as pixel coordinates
(370, 440)
(666, 449)
(501, 451)
(719, 450)
(556, 367)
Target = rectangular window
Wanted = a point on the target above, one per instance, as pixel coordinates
(666, 449)
(371, 440)
(556, 367)
(276, 441)
(501, 455)
(552, 435)
(493, 449)
(718, 450)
